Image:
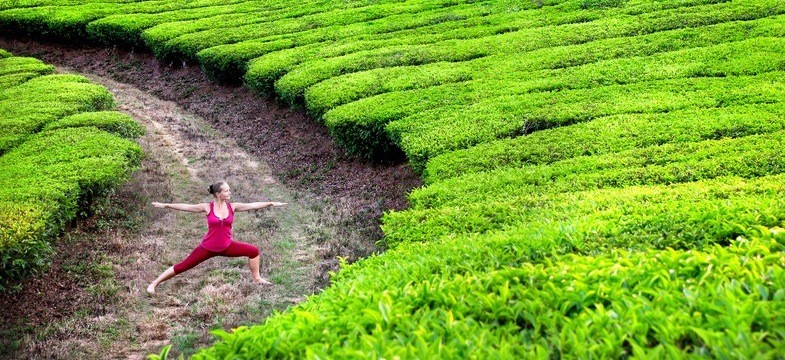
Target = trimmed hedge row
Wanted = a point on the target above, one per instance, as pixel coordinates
(160, 34)
(748, 157)
(628, 217)
(125, 29)
(252, 26)
(68, 22)
(28, 107)
(229, 62)
(340, 90)
(114, 122)
(51, 179)
(493, 98)
(54, 160)
(526, 39)
(433, 132)
(608, 135)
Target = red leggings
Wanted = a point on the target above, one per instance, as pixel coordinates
(235, 249)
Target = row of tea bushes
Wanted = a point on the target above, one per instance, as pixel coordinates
(438, 124)
(295, 48)
(186, 46)
(749, 157)
(67, 21)
(316, 62)
(623, 217)
(61, 149)
(534, 37)
(229, 62)
(125, 29)
(343, 89)
(608, 135)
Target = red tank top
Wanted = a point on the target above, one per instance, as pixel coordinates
(219, 231)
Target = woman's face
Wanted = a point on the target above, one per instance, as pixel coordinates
(225, 192)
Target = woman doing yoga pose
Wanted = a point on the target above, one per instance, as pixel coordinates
(218, 240)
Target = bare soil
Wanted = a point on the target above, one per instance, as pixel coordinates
(91, 304)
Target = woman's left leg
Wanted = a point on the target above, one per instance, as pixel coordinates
(237, 249)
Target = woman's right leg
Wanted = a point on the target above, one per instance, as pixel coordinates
(237, 249)
(198, 255)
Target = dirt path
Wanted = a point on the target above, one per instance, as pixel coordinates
(220, 293)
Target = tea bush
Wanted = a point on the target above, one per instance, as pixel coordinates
(54, 161)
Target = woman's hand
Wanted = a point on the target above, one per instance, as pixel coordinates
(278, 204)
(159, 205)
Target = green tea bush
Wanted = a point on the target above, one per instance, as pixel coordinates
(229, 62)
(53, 166)
(630, 217)
(56, 175)
(185, 46)
(607, 135)
(158, 35)
(296, 81)
(439, 130)
(113, 122)
(69, 22)
(514, 68)
(749, 157)
(603, 175)
(17, 64)
(125, 29)
(7, 81)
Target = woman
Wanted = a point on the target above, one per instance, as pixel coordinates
(218, 239)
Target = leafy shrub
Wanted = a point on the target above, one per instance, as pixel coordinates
(52, 177)
(57, 175)
(608, 135)
(114, 122)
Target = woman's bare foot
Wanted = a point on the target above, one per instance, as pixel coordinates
(151, 289)
(262, 281)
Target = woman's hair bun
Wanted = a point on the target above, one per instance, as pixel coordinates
(215, 188)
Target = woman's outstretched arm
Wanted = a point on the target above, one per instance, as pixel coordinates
(255, 205)
(183, 207)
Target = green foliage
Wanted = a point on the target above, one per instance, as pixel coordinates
(610, 134)
(126, 29)
(749, 157)
(114, 122)
(601, 4)
(16, 64)
(26, 108)
(513, 68)
(52, 177)
(666, 215)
